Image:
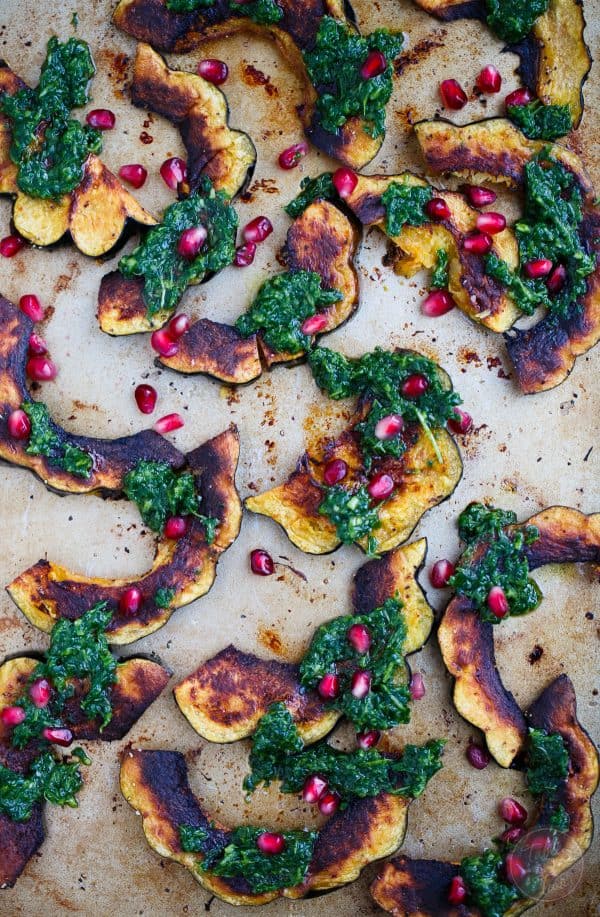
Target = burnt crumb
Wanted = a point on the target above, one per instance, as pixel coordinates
(536, 654)
(208, 903)
(146, 138)
(587, 454)
(589, 615)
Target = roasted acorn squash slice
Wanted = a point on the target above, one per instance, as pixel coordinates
(185, 568)
(225, 697)
(467, 642)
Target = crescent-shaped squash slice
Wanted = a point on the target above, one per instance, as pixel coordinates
(112, 459)
(479, 296)
(419, 888)
(467, 642)
(183, 570)
(150, 21)
(225, 697)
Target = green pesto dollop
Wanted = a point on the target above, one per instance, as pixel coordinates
(351, 512)
(281, 306)
(48, 147)
(547, 762)
(487, 888)
(163, 597)
(334, 64)
(541, 122)
(439, 275)
(312, 189)
(404, 203)
(48, 778)
(512, 20)
(188, 6)
(45, 440)
(165, 272)
(264, 12)
(159, 492)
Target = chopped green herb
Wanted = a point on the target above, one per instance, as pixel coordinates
(188, 6)
(264, 12)
(312, 189)
(276, 738)
(44, 439)
(541, 122)
(487, 889)
(547, 762)
(350, 511)
(439, 276)
(404, 203)
(56, 781)
(264, 873)
(163, 597)
(512, 20)
(159, 492)
(559, 819)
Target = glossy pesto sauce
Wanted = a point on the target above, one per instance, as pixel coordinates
(541, 122)
(405, 203)
(48, 146)
(260, 11)
(512, 20)
(45, 440)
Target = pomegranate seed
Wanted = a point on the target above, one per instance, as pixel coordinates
(57, 736)
(329, 686)
(37, 344)
(162, 342)
(557, 278)
(244, 254)
(168, 423)
(415, 386)
(477, 243)
(514, 868)
(539, 268)
(478, 196)
(102, 118)
(270, 843)
(417, 686)
(489, 79)
(374, 65)
(437, 209)
(191, 241)
(40, 692)
(11, 245)
(360, 684)
(359, 637)
(518, 97)
(368, 739)
(497, 602)
(289, 158)
(380, 486)
(130, 602)
(314, 323)
(335, 471)
(437, 303)
(542, 842)
(314, 787)
(477, 756)
(344, 181)
(178, 326)
(12, 716)
(461, 422)
(453, 95)
(491, 222)
(213, 70)
(31, 306)
(145, 397)
(257, 230)
(176, 527)
(389, 426)
(329, 803)
(134, 174)
(440, 573)
(173, 171)
(261, 563)
(41, 369)
(19, 424)
(512, 811)
(457, 891)
(512, 835)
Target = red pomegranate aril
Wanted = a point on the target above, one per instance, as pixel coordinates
(57, 736)
(539, 268)
(415, 386)
(512, 811)
(514, 868)
(478, 196)
(12, 716)
(360, 684)
(489, 79)
(461, 422)
(145, 397)
(520, 96)
(213, 70)
(314, 323)
(541, 842)
(440, 573)
(244, 254)
(162, 342)
(417, 686)
(335, 471)
(344, 181)
(512, 835)
(374, 65)
(452, 94)
(32, 307)
(40, 369)
(178, 326)
(437, 209)
(168, 423)
(329, 686)
(134, 174)
(191, 241)
(491, 223)
(359, 638)
(329, 803)
(130, 601)
(11, 245)
(497, 602)
(19, 424)
(477, 756)
(478, 243)
(257, 230)
(314, 787)
(381, 486)
(261, 562)
(173, 171)
(176, 527)
(437, 303)
(37, 344)
(557, 279)
(457, 892)
(101, 118)
(289, 158)
(368, 739)
(389, 426)
(40, 692)
(270, 843)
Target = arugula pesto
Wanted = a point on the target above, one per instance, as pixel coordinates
(56, 781)
(404, 203)
(45, 440)
(512, 20)
(541, 122)
(312, 189)
(159, 492)
(281, 306)
(334, 68)
(439, 276)
(350, 511)
(48, 147)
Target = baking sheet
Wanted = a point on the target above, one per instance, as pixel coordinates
(524, 454)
